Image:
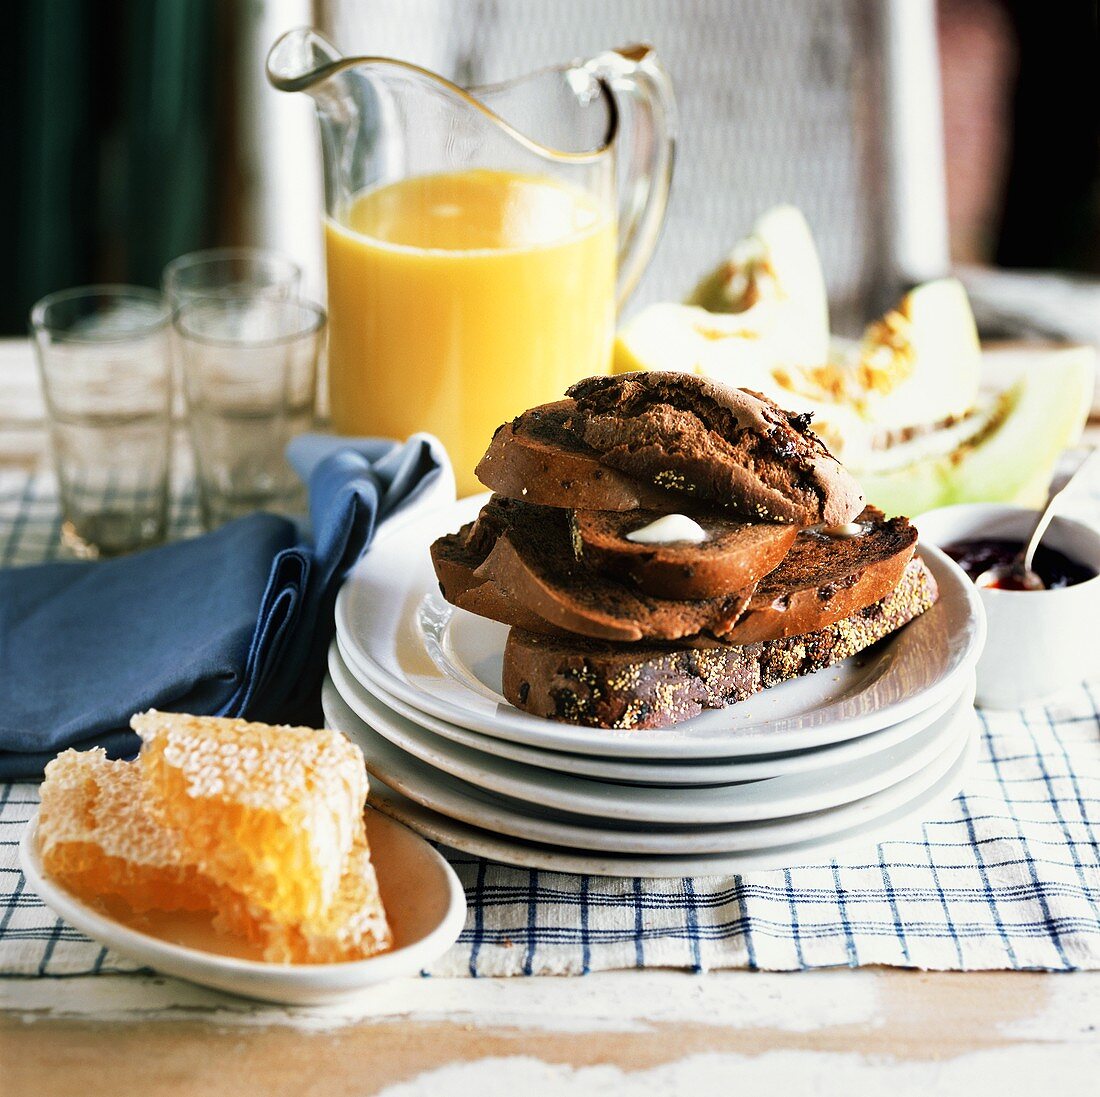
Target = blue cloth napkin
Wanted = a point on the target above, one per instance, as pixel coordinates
(234, 623)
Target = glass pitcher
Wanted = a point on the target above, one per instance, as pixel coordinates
(479, 242)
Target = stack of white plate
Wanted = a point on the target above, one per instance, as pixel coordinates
(847, 756)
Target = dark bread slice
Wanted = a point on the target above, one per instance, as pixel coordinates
(825, 578)
(734, 556)
(539, 459)
(670, 437)
(515, 564)
(639, 686)
(455, 563)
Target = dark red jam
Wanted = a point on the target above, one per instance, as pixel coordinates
(1055, 568)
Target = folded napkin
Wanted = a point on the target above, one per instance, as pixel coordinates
(234, 623)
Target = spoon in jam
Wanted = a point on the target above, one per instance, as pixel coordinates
(1018, 574)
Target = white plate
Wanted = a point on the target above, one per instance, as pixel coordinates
(398, 633)
(422, 895)
(378, 709)
(856, 841)
(772, 798)
(492, 811)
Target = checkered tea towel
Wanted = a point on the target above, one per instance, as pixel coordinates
(1006, 876)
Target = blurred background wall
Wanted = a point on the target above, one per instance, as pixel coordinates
(912, 133)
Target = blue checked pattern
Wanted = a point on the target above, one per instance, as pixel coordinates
(1007, 875)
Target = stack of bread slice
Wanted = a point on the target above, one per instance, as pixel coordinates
(259, 827)
(661, 544)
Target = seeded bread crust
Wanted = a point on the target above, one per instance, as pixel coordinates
(659, 438)
(638, 686)
(734, 556)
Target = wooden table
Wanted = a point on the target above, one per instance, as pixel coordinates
(851, 1032)
(646, 1032)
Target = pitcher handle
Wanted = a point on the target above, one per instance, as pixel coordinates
(645, 153)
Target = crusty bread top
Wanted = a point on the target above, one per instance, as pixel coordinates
(713, 442)
(661, 440)
(539, 458)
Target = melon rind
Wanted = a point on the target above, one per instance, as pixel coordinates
(1046, 407)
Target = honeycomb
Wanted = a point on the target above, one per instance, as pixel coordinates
(231, 836)
(270, 812)
(353, 926)
(98, 840)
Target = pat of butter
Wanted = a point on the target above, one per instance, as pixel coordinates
(846, 531)
(667, 530)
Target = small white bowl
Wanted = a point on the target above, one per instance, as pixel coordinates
(1039, 642)
(424, 901)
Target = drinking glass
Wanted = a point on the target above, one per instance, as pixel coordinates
(230, 272)
(104, 357)
(249, 368)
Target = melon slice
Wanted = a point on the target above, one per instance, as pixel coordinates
(1031, 415)
(920, 363)
(772, 283)
(916, 367)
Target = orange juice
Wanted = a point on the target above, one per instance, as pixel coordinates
(457, 301)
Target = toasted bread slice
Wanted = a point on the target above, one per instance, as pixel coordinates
(538, 457)
(634, 686)
(734, 556)
(826, 577)
(657, 439)
(515, 564)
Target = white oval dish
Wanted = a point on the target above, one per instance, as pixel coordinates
(720, 805)
(1040, 642)
(422, 895)
(471, 804)
(372, 704)
(857, 840)
(397, 632)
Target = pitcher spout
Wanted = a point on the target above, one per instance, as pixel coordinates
(302, 60)
(354, 110)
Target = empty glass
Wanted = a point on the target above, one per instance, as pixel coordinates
(230, 272)
(104, 357)
(249, 369)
